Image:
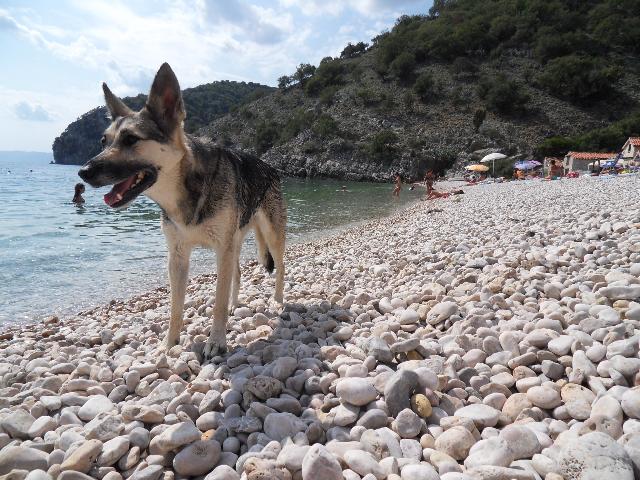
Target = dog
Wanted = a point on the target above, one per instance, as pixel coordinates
(210, 196)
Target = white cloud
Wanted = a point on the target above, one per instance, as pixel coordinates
(368, 8)
(32, 112)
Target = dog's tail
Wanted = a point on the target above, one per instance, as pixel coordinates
(264, 255)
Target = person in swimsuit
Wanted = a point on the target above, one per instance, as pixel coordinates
(398, 185)
(77, 196)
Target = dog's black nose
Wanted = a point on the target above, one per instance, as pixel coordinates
(86, 173)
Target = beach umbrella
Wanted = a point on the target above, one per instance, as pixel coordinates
(526, 165)
(492, 157)
(477, 168)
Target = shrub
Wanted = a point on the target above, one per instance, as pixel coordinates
(299, 121)
(408, 100)
(266, 136)
(351, 50)
(403, 65)
(327, 74)
(424, 87)
(325, 126)
(284, 82)
(327, 94)
(578, 78)
(367, 95)
(382, 145)
(303, 73)
(478, 118)
(463, 66)
(502, 94)
(610, 138)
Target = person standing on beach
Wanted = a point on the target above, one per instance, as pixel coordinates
(77, 196)
(429, 180)
(398, 185)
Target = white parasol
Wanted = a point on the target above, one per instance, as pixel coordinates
(492, 157)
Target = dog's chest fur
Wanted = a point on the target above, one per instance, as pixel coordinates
(211, 233)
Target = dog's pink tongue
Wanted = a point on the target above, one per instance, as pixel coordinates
(115, 195)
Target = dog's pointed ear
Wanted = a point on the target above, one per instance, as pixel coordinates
(165, 100)
(116, 107)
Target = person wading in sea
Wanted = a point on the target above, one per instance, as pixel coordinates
(77, 196)
(398, 185)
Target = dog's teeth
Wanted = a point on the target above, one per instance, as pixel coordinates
(118, 197)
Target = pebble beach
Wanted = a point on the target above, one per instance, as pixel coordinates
(493, 335)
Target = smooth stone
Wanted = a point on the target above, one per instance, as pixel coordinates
(223, 472)
(522, 441)
(356, 391)
(17, 424)
(278, 426)
(363, 463)
(407, 424)
(455, 442)
(421, 471)
(491, 451)
(22, 458)
(82, 458)
(398, 390)
(482, 415)
(175, 436)
(112, 450)
(598, 456)
(319, 464)
(197, 458)
(95, 405)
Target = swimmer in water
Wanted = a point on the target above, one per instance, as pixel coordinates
(77, 196)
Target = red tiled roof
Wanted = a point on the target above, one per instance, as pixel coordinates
(590, 155)
(635, 141)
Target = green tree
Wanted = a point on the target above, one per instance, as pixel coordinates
(266, 136)
(424, 87)
(284, 81)
(354, 50)
(579, 78)
(304, 72)
(403, 65)
(382, 145)
(502, 94)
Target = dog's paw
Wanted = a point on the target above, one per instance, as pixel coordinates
(215, 346)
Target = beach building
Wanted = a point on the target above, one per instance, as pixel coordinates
(631, 151)
(582, 161)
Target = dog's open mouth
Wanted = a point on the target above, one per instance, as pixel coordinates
(127, 190)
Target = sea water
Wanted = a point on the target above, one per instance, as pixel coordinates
(59, 258)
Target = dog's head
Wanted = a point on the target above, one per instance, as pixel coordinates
(137, 146)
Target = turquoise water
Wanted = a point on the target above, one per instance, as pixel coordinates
(57, 258)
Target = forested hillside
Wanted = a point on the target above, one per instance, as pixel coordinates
(524, 77)
(469, 76)
(81, 139)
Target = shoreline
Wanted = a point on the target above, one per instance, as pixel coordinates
(485, 336)
(199, 278)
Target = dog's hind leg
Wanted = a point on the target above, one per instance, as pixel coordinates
(273, 235)
(226, 262)
(235, 288)
(178, 277)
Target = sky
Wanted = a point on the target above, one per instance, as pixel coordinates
(56, 54)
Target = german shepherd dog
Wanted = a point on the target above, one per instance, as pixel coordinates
(210, 196)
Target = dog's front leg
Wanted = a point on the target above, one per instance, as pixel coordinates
(217, 342)
(178, 278)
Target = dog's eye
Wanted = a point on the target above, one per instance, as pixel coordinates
(103, 141)
(129, 140)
